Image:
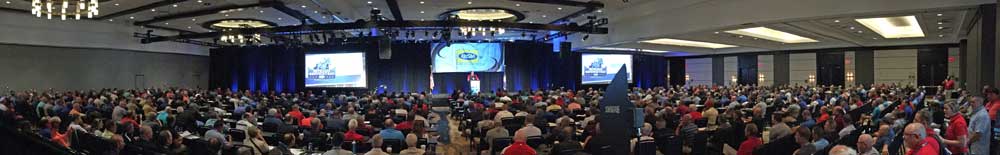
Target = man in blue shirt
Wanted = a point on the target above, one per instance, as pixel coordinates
(979, 128)
(390, 131)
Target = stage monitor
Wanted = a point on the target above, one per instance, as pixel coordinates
(336, 70)
(601, 68)
(467, 57)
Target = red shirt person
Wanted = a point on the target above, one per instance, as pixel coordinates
(520, 146)
(915, 138)
(746, 148)
(957, 131)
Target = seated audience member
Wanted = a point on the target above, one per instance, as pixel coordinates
(335, 122)
(146, 138)
(520, 145)
(216, 133)
(529, 128)
(336, 140)
(779, 129)
(307, 121)
(272, 122)
(249, 120)
(412, 148)
(885, 136)
(497, 131)
(804, 137)
(753, 140)
(865, 142)
(842, 150)
(566, 144)
(63, 139)
(389, 132)
(255, 139)
(406, 125)
(377, 146)
(119, 144)
(916, 140)
(352, 134)
(647, 134)
(295, 113)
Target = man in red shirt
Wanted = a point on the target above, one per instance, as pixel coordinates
(295, 113)
(994, 104)
(746, 148)
(520, 146)
(915, 138)
(307, 122)
(955, 135)
(948, 83)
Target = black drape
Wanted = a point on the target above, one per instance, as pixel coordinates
(408, 71)
(525, 69)
(649, 71)
(257, 68)
(747, 69)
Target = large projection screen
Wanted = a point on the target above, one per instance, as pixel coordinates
(601, 68)
(467, 57)
(336, 70)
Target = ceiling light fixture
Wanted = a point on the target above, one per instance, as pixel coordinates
(470, 3)
(369, 2)
(836, 21)
(193, 19)
(559, 8)
(894, 27)
(421, 2)
(77, 8)
(772, 34)
(483, 14)
(421, 11)
(303, 6)
(939, 15)
(678, 42)
(175, 5)
(517, 4)
(131, 17)
(152, 10)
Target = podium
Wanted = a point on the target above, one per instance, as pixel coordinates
(473, 83)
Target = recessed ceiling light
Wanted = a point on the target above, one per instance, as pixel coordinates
(939, 15)
(894, 27)
(421, 2)
(315, 11)
(836, 21)
(199, 1)
(189, 27)
(421, 19)
(154, 10)
(940, 35)
(716, 32)
(175, 5)
(131, 17)
(369, 2)
(303, 6)
(559, 8)
(193, 19)
(544, 16)
(261, 11)
(740, 36)
(677, 42)
(517, 4)
(875, 38)
(324, 17)
(166, 23)
(227, 15)
(625, 49)
(470, 2)
(860, 31)
(421, 11)
(116, 4)
(279, 18)
(852, 27)
(111, 20)
(939, 27)
(939, 23)
(601, 10)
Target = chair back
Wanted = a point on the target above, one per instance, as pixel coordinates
(395, 144)
(499, 144)
(237, 134)
(645, 147)
(535, 141)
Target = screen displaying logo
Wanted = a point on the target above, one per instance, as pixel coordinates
(467, 56)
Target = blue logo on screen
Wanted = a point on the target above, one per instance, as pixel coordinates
(467, 56)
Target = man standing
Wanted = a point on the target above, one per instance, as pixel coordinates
(979, 128)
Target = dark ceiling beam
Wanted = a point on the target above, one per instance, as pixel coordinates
(591, 4)
(303, 18)
(394, 8)
(203, 12)
(140, 8)
(169, 29)
(390, 24)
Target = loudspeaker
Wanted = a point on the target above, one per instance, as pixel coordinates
(384, 48)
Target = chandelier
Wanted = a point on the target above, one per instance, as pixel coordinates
(63, 8)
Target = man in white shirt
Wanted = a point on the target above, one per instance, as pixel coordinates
(529, 128)
(503, 113)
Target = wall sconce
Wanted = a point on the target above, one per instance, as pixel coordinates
(812, 79)
(687, 77)
(850, 76)
(733, 78)
(760, 78)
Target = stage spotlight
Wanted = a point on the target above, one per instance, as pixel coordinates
(523, 34)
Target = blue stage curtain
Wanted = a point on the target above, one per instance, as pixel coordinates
(649, 70)
(408, 70)
(262, 68)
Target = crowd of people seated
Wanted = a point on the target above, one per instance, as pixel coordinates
(738, 120)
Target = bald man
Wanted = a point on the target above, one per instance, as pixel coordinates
(520, 146)
(842, 150)
(865, 142)
(915, 138)
(647, 134)
(412, 149)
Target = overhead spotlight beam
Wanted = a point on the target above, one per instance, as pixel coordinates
(394, 8)
(203, 12)
(140, 8)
